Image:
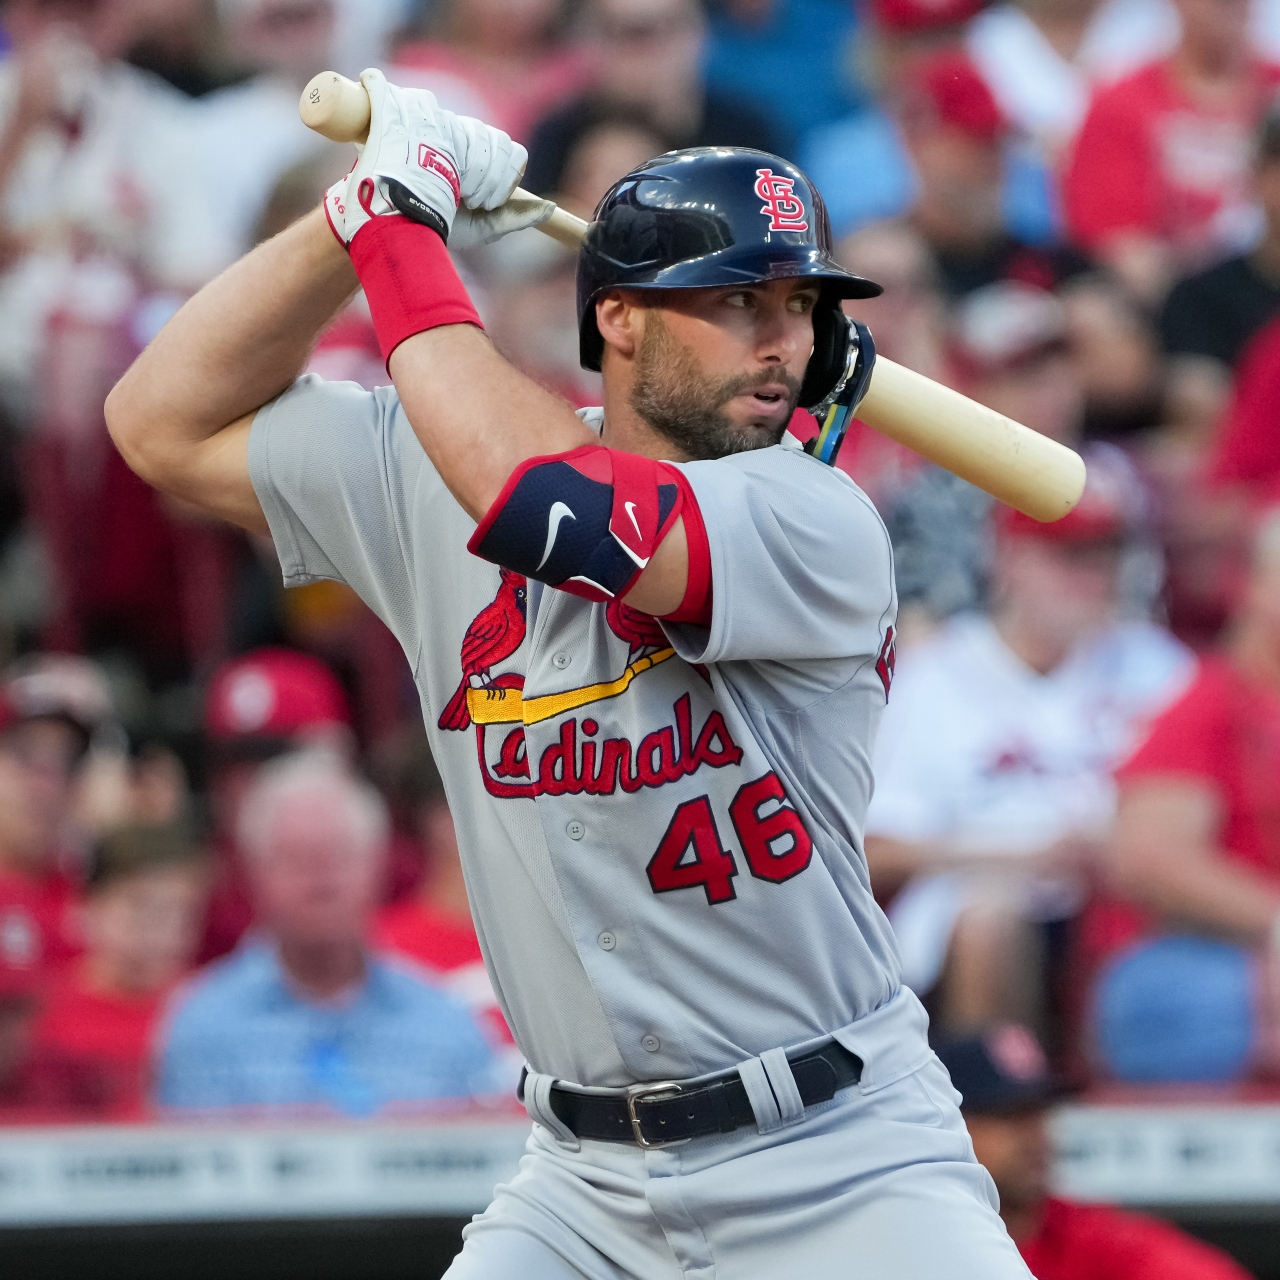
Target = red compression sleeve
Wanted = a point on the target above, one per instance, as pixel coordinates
(409, 279)
(696, 605)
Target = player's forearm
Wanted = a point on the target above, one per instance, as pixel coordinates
(235, 345)
(477, 416)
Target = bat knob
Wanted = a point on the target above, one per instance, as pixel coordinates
(335, 107)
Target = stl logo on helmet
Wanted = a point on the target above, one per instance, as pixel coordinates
(784, 207)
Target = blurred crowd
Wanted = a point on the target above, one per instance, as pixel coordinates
(228, 874)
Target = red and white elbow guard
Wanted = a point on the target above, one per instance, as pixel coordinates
(586, 522)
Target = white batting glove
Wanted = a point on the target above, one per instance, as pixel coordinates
(471, 227)
(422, 161)
(474, 227)
(335, 209)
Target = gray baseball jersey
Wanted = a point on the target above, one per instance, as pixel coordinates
(660, 825)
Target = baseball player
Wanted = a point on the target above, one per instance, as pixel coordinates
(653, 643)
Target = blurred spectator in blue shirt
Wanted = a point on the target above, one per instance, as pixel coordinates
(302, 1014)
(793, 57)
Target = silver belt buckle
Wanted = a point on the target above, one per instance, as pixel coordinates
(648, 1093)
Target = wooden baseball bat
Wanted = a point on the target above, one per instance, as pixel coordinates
(338, 109)
(1040, 477)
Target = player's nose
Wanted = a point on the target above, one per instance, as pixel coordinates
(783, 336)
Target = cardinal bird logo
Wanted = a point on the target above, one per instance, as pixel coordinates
(496, 633)
(639, 630)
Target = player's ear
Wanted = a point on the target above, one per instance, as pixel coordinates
(620, 319)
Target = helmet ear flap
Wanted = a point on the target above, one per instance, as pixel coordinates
(831, 335)
(590, 341)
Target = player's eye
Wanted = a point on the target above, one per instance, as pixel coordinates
(741, 299)
(802, 302)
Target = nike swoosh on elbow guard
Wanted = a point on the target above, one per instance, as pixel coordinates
(559, 511)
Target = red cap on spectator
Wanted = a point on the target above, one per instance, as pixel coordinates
(946, 89)
(922, 15)
(274, 693)
(1108, 508)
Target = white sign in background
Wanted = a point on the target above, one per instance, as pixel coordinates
(155, 1174)
(1171, 1155)
(124, 1173)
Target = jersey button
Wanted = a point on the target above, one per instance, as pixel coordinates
(651, 1044)
(575, 830)
(560, 661)
(607, 941)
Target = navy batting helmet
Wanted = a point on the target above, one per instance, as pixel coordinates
(717, 216)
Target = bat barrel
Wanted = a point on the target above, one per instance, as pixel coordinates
(1040, 477)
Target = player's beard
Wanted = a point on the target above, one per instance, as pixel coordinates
(676, 398)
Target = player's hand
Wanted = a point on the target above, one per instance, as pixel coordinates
(423, 161)
(474, 227)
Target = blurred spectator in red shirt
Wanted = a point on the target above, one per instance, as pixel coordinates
(18, 1005)
(259, 706)
(647, 56)
(501, 61)
(1210, 318)
(36, 1085)
(1158, 181)
(1247, 450)
(143, 912)
(1004, 1079)
(1041, 57)
(50, 707)
(434, 927)
(1197, 846)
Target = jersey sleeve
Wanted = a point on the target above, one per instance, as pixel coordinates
(336, 474)
(800, 563)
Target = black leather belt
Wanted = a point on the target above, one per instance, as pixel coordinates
(662, 1111)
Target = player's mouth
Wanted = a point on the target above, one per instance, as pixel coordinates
(771, 400)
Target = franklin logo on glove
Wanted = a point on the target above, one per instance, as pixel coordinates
(430, 158)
